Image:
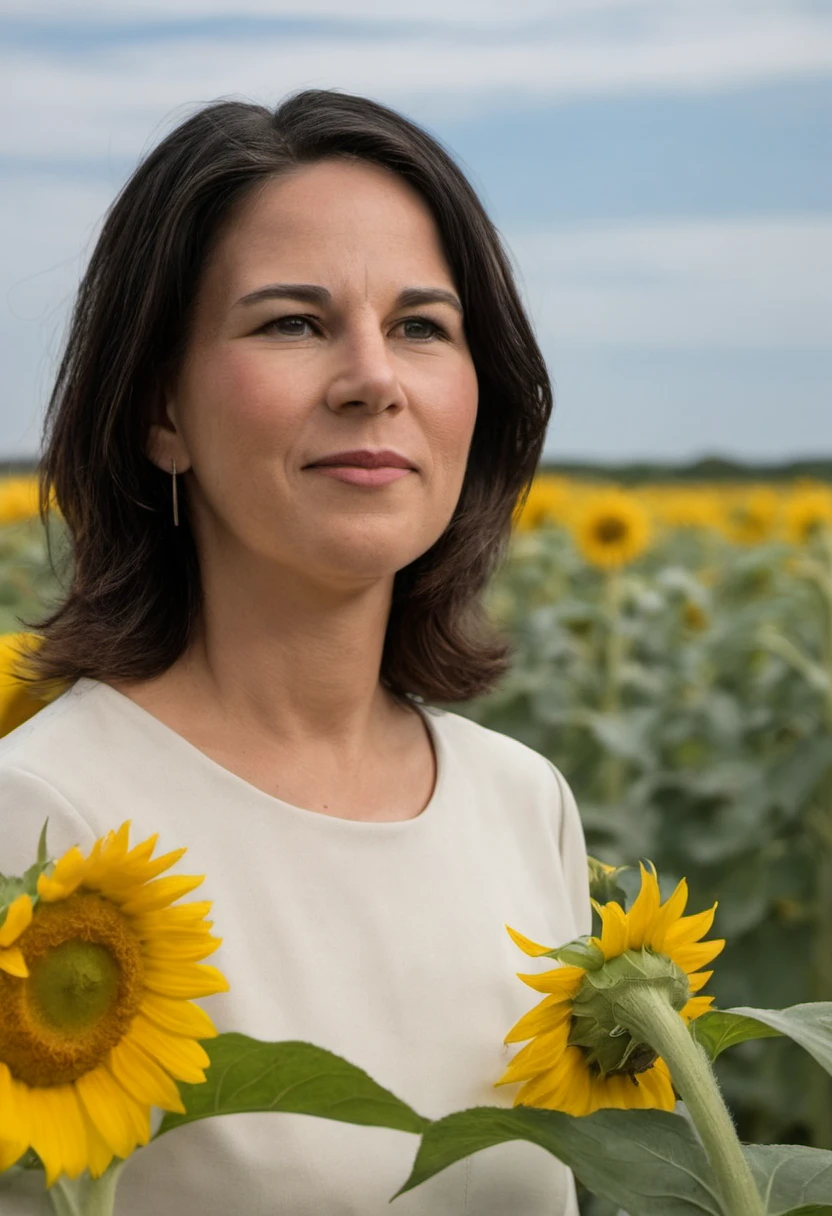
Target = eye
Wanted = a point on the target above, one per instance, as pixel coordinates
(287, 327)
(433, 329)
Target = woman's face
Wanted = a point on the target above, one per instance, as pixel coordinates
(305, 345)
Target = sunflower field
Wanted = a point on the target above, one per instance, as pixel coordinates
(673, 657)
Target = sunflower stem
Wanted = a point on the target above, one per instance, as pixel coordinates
(647, 1015)
(86, 1196)
(613, 658)
(821, 1095)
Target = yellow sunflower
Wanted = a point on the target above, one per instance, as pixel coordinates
(97, 975)
(612, 528)
(689, 507)
(18, 701)
(752, 515)
(547, 503)
(808, 512)
(565, 1068)
(18, 499)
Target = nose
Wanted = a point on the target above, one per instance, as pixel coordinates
(365, 376)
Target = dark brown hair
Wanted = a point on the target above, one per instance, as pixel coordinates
(134, 592)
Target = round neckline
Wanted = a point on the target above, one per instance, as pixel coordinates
(385, 825)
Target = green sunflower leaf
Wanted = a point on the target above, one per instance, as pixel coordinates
(604, 886)
(579, 953)
(43, 852)
(11, 887)
(249, 1075)
(814, 1209)
(650, 1163)
(794, 1179)
(809, 1025)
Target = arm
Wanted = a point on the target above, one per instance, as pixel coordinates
(573, 856)
(26, 801)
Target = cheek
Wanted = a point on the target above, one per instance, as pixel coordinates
(454, 420)
(240, 403)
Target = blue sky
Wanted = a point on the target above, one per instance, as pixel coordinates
(659, 169)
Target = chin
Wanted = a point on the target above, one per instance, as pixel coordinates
(370, 561)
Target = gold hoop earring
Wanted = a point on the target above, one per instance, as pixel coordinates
(175, 500)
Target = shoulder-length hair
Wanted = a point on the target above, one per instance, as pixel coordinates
(134, 594)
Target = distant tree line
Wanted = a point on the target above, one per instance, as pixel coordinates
(710, 468)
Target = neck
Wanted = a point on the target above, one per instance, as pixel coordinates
(297, 662)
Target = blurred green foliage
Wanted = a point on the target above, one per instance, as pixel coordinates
(28, 585)
(687, 701)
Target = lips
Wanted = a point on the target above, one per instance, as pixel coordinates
(365, 459)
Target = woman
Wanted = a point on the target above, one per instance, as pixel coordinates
(299, 401)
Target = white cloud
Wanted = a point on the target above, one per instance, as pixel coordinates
(113, 98)
(748, 284)
(47, 228)
(473, 12)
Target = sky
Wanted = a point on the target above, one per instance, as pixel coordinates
(659, 170)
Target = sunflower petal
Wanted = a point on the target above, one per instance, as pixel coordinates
(186, 948)
(541, 1055)
(185, 916)
(13, 963)
(695, 1007)
(10, 1152)
(18, 918)
(658, 1084)
(614, 931)
(667, 916)
(139, 870)
(691, 958)
(185, 1059)
(644, 908)
(15, 1123)
(185, 981)
(526, 944)
(99, 1154)
(562, 981)
(121, 1122)
(67, 876)
(58, 1131)
(568, 1088)
(178, 1017)
(543, 1017)
(161, 892)
(142, 1077)
(689, 929)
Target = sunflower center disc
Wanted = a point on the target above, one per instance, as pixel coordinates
(609, 1049)
(611, 530)
(74, 985)
(84, 988)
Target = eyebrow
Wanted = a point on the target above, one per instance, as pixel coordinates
(311, 293)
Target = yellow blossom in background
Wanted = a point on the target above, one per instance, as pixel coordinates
(688, 507)
(611, 528)
(560, 1073)
(744, 513)
(18, 917)
(18, 702)
(547, 503)
(807, 511)
(96, 1016)
(751, 516)
(18, 499)
(694, 616)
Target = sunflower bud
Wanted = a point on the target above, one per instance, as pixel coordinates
(603, 881)
(603, 1020)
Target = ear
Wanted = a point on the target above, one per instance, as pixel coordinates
(164, 441)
